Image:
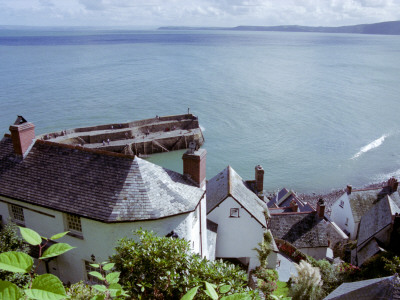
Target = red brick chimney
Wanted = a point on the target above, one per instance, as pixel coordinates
(393, 184)
(259, 180)
(294, 206)
(22, 135)
(194, 166)
(348, 189)
(320, 208)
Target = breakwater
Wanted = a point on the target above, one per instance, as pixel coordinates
(142, 137)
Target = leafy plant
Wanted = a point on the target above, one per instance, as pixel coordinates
(212, 291)
(155, 267)
(267, 279)
(111, 289)
(81, 291)
(46, 286)
(10, 241)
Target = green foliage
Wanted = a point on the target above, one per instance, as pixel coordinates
(163, 268)
(212, 291)
(282, 291)
(110, 289)
(45, 286)
(10, 241)
(267, 279)
(265, 247)
(380, 265)
(81, 291)
(330, 274)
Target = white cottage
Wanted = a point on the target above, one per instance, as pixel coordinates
(348, 210)
(98, 196)
(239, 213)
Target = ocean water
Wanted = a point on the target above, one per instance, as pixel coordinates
(317, 111)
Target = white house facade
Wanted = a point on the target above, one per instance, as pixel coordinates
(348, 210)
(239, 214)
(98, 196)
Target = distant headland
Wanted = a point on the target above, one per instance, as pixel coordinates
(389, 28)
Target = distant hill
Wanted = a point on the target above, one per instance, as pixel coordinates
(391, 28)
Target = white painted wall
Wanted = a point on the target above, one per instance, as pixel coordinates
(99, 238)
(237, 237)
(339, 215)
(318, 253)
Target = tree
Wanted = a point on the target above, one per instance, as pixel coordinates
(155, 267)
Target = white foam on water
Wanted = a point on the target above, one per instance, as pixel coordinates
(202, 128)
(370, 146)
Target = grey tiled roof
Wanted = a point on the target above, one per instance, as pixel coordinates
(229, 184)
(376, 218)
(94, 184)
(302, 230)
(378, 288)
(362, 200)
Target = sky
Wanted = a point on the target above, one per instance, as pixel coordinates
(154, 13)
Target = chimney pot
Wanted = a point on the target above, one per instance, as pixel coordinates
(348, 189)
(320, 208)
(22, 135)
(194, 166)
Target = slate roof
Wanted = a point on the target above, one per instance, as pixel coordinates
(229, 184)
(376, 218)
(302, 230)
(362, 200)
(378, 288)
(99, 185)
(283, 199)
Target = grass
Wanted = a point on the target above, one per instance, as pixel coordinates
(282, 289)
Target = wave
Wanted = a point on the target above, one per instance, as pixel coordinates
(371, 146)
(202, 128)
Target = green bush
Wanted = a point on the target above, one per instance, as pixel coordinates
(11, 241)
(267, 280)
(81, 291)
(163, 268)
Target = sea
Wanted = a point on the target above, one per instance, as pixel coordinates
(317, 111)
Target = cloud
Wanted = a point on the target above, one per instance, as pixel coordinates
(198, 12)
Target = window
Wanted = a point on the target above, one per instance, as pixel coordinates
(73, 224)
(17, 214)
(89, 268)
(234, 213)
(341, 203)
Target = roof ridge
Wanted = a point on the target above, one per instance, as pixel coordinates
(229, 180)
(81, 148)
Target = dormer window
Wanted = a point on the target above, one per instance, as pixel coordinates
(17, 214)
(234, 213)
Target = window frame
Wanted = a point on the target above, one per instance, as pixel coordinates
(73, 231)
(234, 212)
(13, 213)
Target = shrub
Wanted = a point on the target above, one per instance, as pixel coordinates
(81, 291)
(267, 279)
(307, 283)
(163, 268)
(11, 241)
